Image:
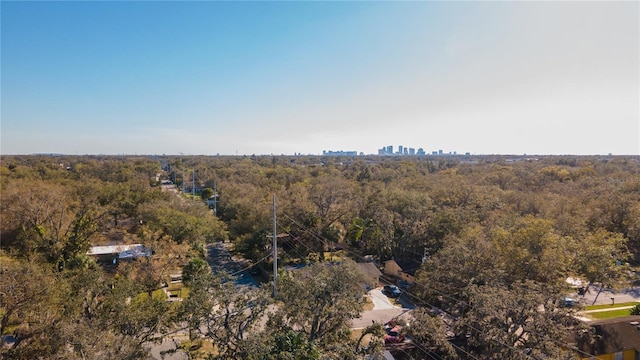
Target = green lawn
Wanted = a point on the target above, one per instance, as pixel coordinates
(609, 306)
(609, 314)
(181, 293)
(156, 294)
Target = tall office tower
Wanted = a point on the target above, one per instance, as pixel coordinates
(400, 150)
(390, 150)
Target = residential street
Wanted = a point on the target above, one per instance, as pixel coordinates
(167, 350)
(220, 259)
(619, 296)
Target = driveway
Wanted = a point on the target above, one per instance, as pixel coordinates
(383, 310)
(380, 300)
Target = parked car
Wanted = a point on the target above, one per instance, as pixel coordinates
(569, 302)
(394, 332)
(392, 291)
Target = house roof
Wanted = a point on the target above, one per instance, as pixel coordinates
(123, 251)
(613, 335)
(369, 269)
(408, 266)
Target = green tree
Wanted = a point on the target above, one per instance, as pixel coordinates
(520, 322)
(429, 332)
(466, 260)
(291, 345)
(601, 258)
(195, 271)
(530, 249)
(206, 193)
(184, 221)
(29, 309)
(225, 314)
(322, 299)
(51, 220)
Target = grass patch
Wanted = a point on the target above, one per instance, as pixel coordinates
(181, 293)
(199, 349)
(366, 340)
(609, 306)
(368, 304)
(156, 294)
(335, 256)
(609, 314)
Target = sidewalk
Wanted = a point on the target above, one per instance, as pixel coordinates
(580, 314)
(605, 309)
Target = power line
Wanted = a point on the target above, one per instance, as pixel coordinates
(251, 266)
(325, 241)
(523, 326)
(429, 353)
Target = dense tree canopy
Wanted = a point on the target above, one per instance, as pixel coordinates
(496, 236)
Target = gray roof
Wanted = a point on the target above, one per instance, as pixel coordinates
(369, 269)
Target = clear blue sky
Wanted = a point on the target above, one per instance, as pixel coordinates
(162, 77)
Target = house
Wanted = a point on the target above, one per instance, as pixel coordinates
(404, 270)
(115, 253)
(615, 339)
(371, 272)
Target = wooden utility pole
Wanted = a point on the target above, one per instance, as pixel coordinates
(215, 199)
(275, 251)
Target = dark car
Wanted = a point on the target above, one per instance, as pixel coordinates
(392, 291)
(569, 302)
(393, 334)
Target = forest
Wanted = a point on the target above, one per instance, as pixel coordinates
(495, 236)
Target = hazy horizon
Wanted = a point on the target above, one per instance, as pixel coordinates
(244, 78)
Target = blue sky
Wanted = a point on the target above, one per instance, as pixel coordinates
(160, 77)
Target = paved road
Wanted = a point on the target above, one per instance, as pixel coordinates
(220, 259)
(169, 187)
(379, 316)
(167, 350)
(619, 296)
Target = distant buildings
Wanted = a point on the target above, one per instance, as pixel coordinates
(405, 151)
(339, 153)
(389, 151)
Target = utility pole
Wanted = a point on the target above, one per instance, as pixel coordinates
(183, 182)
(193, 184)
(275, 251)
(215, 198)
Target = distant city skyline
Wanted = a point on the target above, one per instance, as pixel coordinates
(390, 150)
(278, 77)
